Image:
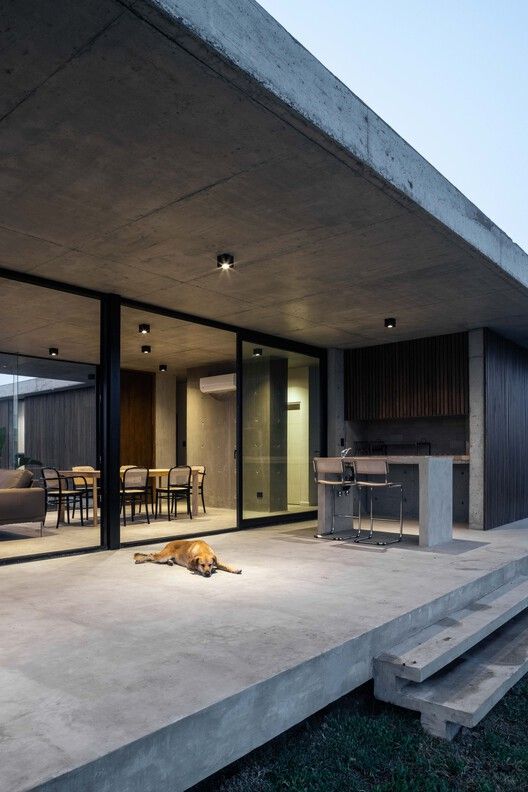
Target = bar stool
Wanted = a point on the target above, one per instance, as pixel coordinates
(332, 473)
(380, 468)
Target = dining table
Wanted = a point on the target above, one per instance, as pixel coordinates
(92, 478)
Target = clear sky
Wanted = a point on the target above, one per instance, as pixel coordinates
(450, 77)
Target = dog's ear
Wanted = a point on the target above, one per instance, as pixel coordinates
(215, 561)
(195, 561)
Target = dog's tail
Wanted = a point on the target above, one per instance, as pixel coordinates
(142, 558)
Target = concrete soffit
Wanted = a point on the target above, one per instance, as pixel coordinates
(240, 41)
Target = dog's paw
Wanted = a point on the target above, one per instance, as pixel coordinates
(238, 571)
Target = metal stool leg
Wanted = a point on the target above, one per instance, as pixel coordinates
(383, 543)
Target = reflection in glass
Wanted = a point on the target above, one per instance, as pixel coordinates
(48, 411)
(280, 407)
(178, 409)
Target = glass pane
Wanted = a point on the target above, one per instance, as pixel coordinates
(178, 408)
(49, 351)
(281, 433)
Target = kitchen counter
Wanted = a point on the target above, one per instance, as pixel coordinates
(435, 510)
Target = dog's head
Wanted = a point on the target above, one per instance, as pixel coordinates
(204, 563)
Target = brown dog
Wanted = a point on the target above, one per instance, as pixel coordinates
(193, 554)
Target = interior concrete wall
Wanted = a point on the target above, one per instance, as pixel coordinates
(165, 420)
(265, 434)
(211, 435)
(181, 422)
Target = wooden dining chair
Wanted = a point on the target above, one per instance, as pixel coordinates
(200, 483)
(135, 490)
(81, 482)
(57, 488)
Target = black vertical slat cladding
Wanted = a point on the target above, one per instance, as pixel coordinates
(109, 419)
(425, 377)
(506, 431)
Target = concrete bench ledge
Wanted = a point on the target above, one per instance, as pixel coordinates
(436, 646)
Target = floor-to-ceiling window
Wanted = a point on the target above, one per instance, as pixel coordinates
(280, 431)
(49, 355)
(243, 429)
(178, 412)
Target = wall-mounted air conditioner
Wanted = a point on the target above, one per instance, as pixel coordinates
(221, 383)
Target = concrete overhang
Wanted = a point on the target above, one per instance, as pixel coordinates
(139, 139)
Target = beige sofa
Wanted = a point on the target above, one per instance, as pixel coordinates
(19, 501)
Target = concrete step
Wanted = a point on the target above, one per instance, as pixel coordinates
(464, 693)
(436, 646)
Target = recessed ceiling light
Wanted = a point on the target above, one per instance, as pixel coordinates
(146, 350)
(53, 351)
(257, 352)
(163, 367)
(225, 261)
(144, 329)
(390, 322)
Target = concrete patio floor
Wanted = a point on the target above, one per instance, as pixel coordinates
(24, 539)
(116, 676)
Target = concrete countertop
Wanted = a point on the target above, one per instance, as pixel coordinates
(412, 459)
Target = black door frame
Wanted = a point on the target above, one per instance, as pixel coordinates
(108, 408)
(262, 339)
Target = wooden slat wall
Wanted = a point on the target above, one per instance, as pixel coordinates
(506, 431)
(137, 418)
(410, 379)
(60, 428)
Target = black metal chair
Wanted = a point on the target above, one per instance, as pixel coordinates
(200, 483)
(379, 468)
(58, 489)
(178, 488)
(81, 482)
(135, 489)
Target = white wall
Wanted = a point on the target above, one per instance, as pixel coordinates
(298, 436)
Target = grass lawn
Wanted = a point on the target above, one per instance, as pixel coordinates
(361, 744)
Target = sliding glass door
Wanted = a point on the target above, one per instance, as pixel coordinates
(280, 431)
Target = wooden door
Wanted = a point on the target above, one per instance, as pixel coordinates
(137, 418)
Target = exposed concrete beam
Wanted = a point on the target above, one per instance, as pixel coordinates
(245, 35)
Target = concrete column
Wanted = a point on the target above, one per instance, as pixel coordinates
(476, 429)
(436, 500)
(165, 420)
(336, 401)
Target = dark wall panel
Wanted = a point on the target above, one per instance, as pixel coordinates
(506, 431)
(6, 433)
(410, 379)
(60, 428)
(137, 418)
